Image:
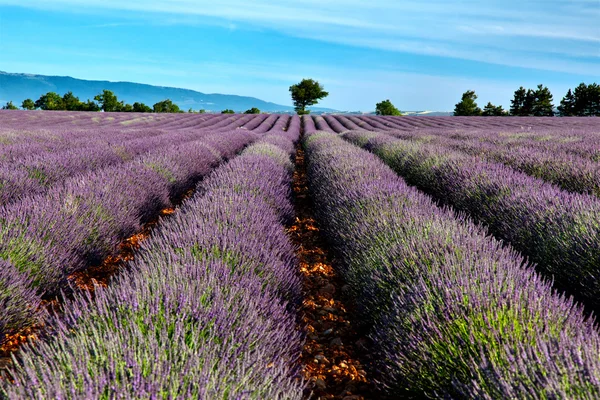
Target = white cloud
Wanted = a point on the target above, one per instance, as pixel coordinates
(554, 33)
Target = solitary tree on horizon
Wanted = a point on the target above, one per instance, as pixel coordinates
(306, 93)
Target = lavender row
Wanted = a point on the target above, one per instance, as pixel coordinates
(29, 140)
(321, 124)
(207, 310)
(34, 175)
(70, 120)
(47, 238)
(557, 230)
(550, 160)
(451, 312)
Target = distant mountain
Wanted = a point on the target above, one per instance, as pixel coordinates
(18, 87)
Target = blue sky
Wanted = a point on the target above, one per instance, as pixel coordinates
(420, 55)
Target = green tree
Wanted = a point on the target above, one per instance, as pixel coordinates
(71, 102)
(201, 111)
(467, 105)
(581, 99)
(227, 111)
(141, 108)
(542, 104)
(28, 104)
(386, 108)
(108, 101)
(166, 106)
(89, 105)
(10, 106)
(306, 93)
(253, 110)
(127, 108)
(517, 104)
(50, 101)
(529, 103)
(593, 91)
(567, 105)
(532, 102)
(488, 110)
(491, 110)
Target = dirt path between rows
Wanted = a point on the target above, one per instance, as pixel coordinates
(329, 357)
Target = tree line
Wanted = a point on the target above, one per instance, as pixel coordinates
(584, 101)
(106, 101)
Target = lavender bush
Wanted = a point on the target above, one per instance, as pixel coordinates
(557, 230)
(81, 222)
(207, 310)
(451, 312)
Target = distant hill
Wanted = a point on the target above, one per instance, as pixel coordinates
(429, 113)
(18, 87)
(407, 113)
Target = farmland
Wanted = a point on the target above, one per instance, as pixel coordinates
(284, 257)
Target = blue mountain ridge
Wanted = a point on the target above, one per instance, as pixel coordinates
(17, 87)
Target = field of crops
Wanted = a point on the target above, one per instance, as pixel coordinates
(163, 256)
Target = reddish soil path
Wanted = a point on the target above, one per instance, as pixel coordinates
(329, 355)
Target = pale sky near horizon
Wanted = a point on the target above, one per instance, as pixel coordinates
(420, 55)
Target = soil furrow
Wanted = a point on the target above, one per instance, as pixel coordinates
(329, 356)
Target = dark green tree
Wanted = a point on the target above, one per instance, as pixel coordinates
(567, 105)
(253, 110)
(28, 104)
(201, 111)
(50, 101)
(518, 101)
(227, 111)
(532, 102)
(467, 106)
(10, 106)
(306, 93)
(491, 110)
(108, 101)
(71, 102)
(581, 100)
(527, 109)
(166, 106)
(141, 107)
(89, 105)
(542, 104)
(386, 108)
(594, 99)
(127, 108)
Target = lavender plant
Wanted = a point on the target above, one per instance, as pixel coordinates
(80, 223)
(207, 310)
(557, 230)
(451, 312)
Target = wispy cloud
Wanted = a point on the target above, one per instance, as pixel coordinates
(556, 33)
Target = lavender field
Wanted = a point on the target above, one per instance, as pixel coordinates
(163, 256)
